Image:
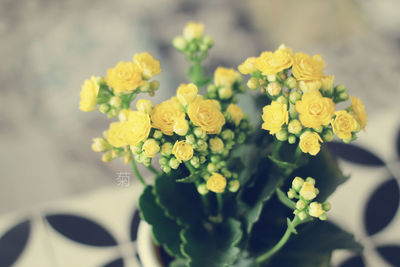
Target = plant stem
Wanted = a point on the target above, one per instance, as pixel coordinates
(289, 230)
(284, 199)
(153, 170)
(220, 201)
(137, 173)
(277, 146)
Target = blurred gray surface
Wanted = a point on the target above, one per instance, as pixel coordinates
(49, 47)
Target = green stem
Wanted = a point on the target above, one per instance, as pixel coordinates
(285, 200)
(289, 230)
(277, 146)
(220, 201)
(152, 169)
(137, 173)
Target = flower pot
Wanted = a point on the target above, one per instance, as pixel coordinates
(149, 253)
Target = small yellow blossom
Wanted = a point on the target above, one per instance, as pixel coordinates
(308, 191)
(315, 110)
(306, 68)
(309, 143)
(248, 66)
(344, 124)
(359, 111)
(270, 63)
(181, 126)
(216, 183)
(144, 105)
(216, 145)
(115, 134)
(193, 30)
(164, 115)
(315, 209)
(186, 93)
(137, 128)
(274, 117)
(327, 82)
(274, 89)
(182, 151)
(100, 145)
(126, 76)
(147, 64)
(236, 113)
(150, 148)
(205, 113)
(225, 92)
(166, 149)
(309, 86)
(90, 89)
(225, 76)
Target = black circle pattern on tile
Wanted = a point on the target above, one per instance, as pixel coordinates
(115, 263)
(81, 230)
(135, 225)
(355, 154)
(13, 243)
(391, 253)
(382, 206)
(355, 261)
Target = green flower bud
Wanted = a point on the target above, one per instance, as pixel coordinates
(202, 159)
(291, 193)
(282, 135)
(292, 111)
(227, 135)
(173, 163)
(145, 86)
(291, 82)
(297, 183)
(190, 139)
(326, 206)
(112, 113)
(343, 96)
(328, 135)
(115, 101)
(212, 88)
(310, 180)
(215, 159)
(202, 189)
(295, 127)
(104, 108)
(225, 92)
(157, 134)
(302, 215)
(166, 169)
(107, 157)
(163, 161)
(274, 89)
(241, 138)
(199, 133)
(323, 217)
(294, 96)
(166, 149)
(292, 139)
(179, 43)
(271, 78)
(208, 41)
(202, 145)
(212, 167)
(191, 47)
(100, 145)
(154, 85)
(300, 205)
(233, 186)
(319, 129)
(282, 100)
(340, 89)
(195, 161)
(253, 84)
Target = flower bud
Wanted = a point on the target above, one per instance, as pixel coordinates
(297, 183)
(227, 135)
(290, 82)
(327, 84)
(322, 217)
(292, 139)
(211, 167)
(293, 114)
(340, 89)
(163, 161)
(166, 169)
(310, 180)
(186, 93)
(271, 78)
(181, 126)
(166, 149)
(282, 135)
(241, 138)
(302, 215)
(291, 193)
(190, 139)
(307, 191)
(104, 108)
(202, 189)
(173, 163)
(274, 88)
(201, 145)
(208, 41)
(157, 134)
(179, 43)
(127, 158)
(328, 135)
(100, 145)
(326, 206)
(225, 92)
(343, 96)
(150, 148)
(318, 129)
(233, 186)
(294, 96)
(282, 100)
(300, 204)
(295, 127)
(199, 133)
(154, 85)
(253, 84)
(315, 209)
(193, 30)
(107, 157)
(216, 145)
(115, 101)
(309, 86)
(202, 159)
(195, 162)
(145, 86)
(144, 105)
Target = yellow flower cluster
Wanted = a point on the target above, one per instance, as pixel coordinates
(303, 99)
(90, 89)
(227, 84)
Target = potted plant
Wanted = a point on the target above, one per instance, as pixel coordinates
(230, 193)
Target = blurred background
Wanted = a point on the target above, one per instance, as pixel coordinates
(48, 48)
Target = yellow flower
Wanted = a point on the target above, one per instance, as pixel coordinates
(225, 76)
(327, 82)
(115, 134)
(165, 114)
(150, 148)
(186, 93)
(216, 183)
(181, 126)
(126, 76)
(309, 86)
(182, 151)
(274, 116)
(137, 128)
(248, 66)
(308, 191)
(315, 110)
(90, 89)
(315, 209)
(193, 30)
(271, 63)
(359, 110)
(236, 113)
(147, 64)
(306, 68)
(216, 145)
(344, 124)
(144, 105)
(309, 143)
(205, 113)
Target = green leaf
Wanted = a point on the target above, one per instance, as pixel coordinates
(325, 171)
(213, 246)
(181, 201)
(179, 263)
(165, 230)
(283, 164)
